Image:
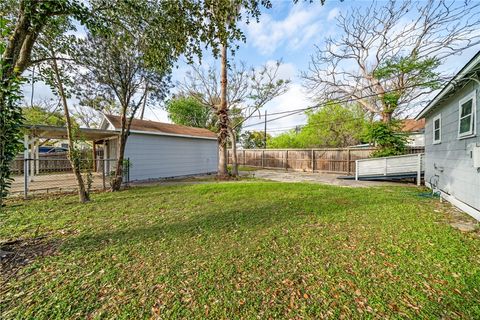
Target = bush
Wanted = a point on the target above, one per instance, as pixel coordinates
(387, 137)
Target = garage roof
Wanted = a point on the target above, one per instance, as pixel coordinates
(161, 128)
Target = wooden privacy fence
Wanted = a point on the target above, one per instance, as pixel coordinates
(51, 162)
(332, 160)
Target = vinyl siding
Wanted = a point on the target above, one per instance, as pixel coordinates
(155, 156)
(459, 178)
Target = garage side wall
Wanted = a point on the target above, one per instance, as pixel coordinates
(449, 164)
(155, 156)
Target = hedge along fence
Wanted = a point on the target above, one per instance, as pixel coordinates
(330, 160)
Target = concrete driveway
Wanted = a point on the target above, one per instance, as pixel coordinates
(323, 178)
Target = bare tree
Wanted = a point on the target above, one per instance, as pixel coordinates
(248, 91)
(386, 55)
(87, 116)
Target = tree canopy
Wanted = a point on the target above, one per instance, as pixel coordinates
(189, 111)
(39, 115)
(334, 125)
(253, 139)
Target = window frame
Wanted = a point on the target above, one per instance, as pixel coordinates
(437, 117)
(473, 115)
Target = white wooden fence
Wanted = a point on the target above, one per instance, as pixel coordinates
(406, 165)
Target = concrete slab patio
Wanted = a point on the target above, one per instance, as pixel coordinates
(47, 183)
(323, 178)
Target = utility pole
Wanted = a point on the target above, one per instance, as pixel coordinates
(265, 132)
(144, 101)
(33, 86)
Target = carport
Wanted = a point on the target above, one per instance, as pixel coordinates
(36, 180)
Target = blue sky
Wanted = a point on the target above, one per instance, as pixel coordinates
(288, 32)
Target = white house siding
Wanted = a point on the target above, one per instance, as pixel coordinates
(157, 156)
(416, 140)
(459, 178)
(111, 155)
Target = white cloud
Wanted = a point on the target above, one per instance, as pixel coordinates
(156, 114)
(295, 98)
(285, 70)
(332, 14)
(300, 27)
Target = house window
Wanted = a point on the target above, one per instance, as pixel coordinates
(466, 113)
(437, 129)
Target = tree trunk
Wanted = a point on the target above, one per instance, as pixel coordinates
(233, 139)
(222, 113)
(72, 157)
(122, 141)
(386, 117)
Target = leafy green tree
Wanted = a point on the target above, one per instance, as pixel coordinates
(286, 140)
(116, 69)
(169, 28)
(387, 138)
(22, 22)
(422, 78)
(332, 126)
(56, 72)
(37, 114)
(189, 111)
(254, 139)
(10, 116)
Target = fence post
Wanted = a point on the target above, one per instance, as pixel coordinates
(348, 162)
(37, 157)
(103, 172)
(94, 150)
(385, 163)
(286, 160)
(419, 172)
(356, 169)
(31, 172)
(25, 167)
(244, 161)
(25, 178)
(263, 158)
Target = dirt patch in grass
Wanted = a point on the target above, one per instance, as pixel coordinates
(16, 254)
(457, 218)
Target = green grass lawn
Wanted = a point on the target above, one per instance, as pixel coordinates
(242, 250)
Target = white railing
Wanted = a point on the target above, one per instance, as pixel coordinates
(388, 166)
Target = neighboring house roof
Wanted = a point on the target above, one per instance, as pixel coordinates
(470, 70)
(161, 128)
(412, 125)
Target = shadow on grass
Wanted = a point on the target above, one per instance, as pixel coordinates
(214, 223)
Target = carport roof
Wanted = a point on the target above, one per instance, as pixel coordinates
(52, 132)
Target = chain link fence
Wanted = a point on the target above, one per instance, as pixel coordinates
(55, 175)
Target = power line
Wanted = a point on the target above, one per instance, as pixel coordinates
(313, 125)
(296, 111)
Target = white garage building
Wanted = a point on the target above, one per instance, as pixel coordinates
(163, 150)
